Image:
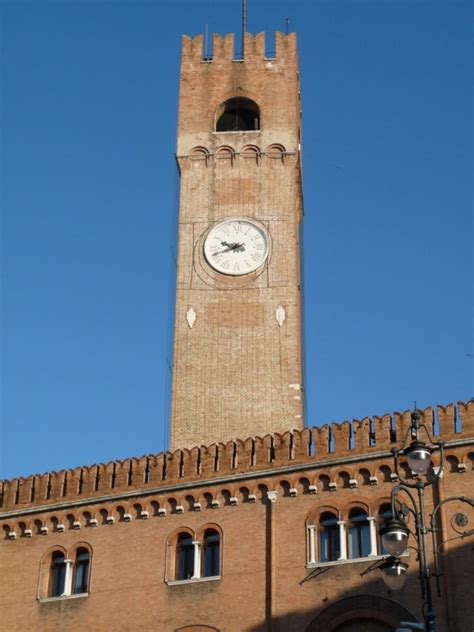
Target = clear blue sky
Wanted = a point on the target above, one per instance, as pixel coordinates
(89, 198)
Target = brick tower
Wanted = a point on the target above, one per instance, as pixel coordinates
(237, 350)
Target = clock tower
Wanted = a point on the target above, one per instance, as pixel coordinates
(237, 369)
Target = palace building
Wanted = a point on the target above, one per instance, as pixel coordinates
(252, 521)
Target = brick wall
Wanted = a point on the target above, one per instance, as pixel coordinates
(237, 368)
(264, 552)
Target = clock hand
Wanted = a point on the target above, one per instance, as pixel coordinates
(230, 248)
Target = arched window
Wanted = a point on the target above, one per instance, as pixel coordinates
(385, 513)
(63, 574)
(80, 581)
(210, 553)
(329, 543)
(57, 576)
(358, 534)
(184, 557)
(238, 115)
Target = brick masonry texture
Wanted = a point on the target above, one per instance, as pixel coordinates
(264, 545)
(237, 370)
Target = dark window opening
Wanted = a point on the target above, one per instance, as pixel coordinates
(329, 543)
(81, 572)
(238, 115)
(211, 553)
(385, 513)
(358, 534)
(58, 575)
(185, 557)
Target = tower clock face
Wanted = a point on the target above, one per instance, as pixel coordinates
(236, 247)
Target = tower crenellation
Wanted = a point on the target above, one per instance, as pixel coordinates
(319, 447)
(194, 49)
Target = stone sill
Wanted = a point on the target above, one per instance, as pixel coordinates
(62, 597)
(209, 60)
(239, 131)
(195, 580)
(352, 560)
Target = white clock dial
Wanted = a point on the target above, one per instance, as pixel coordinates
(236, 247)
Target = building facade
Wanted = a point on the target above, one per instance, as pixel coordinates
(272, 533)
(251, 522)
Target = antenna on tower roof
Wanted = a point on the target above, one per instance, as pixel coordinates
(244, 25)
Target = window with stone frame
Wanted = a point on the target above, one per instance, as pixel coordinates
(210, 562)
(80, 581)
(358, 534)
(65, 573)
(57, 575)
(185, 557)
(329, 543)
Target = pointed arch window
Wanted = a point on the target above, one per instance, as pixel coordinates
(184, 557)
(358, 534)
(211, 554)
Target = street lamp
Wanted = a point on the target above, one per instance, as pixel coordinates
(394, 535)
(419, 457)
(394, 572)
(395, 532)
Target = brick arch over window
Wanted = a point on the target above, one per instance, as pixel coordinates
(81, 556)
(210, 538)
(360, 503)
(364, 612)
(317, 512)
(45, 570)
(174, 546)
(238, 115)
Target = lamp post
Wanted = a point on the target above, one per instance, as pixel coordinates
(396, 531)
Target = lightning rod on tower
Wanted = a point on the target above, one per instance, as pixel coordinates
(244, 25)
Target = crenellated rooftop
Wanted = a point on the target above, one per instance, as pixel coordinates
(223, 48)
(349, 441)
